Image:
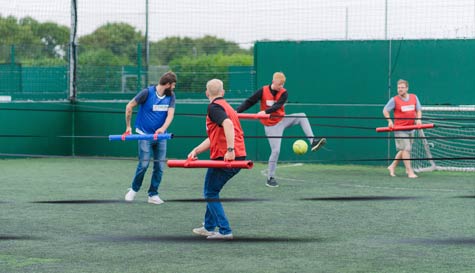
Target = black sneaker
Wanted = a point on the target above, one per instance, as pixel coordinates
(271, 182)
(318, 143)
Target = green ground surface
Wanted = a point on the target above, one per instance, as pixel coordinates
(322, 218)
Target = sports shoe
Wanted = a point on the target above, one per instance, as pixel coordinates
(203, 232)
(318, 143)
(155, 200)
(130, 196)
(271, 182)
(219, 236)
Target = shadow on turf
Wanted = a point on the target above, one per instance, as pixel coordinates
(79, 202)
(195, 200)
(359, 198)
(202, 239)
(17, 238)
(201, 200)
(466, 196)
(447, 241)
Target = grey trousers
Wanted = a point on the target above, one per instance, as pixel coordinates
(278, 130)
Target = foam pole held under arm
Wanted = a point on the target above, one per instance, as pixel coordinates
(253, 116)
(404, 128)
(243, 164)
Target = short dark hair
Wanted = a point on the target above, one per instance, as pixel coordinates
(167, 78)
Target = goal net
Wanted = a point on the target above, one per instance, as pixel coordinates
(450, 145)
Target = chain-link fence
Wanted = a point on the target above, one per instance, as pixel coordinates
(123, 46)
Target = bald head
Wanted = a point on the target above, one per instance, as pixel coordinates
(214, 88)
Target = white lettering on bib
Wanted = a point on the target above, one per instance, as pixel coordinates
(160, 107)
(407, 108)
(270, 102)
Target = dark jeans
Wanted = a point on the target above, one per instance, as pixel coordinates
(215, 179)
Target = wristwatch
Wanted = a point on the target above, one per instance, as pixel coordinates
(230, 149)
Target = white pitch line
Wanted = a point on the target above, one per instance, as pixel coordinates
(264, 173)
(390, 188)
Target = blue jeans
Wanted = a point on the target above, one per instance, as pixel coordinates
(147, 149)
(215, 179)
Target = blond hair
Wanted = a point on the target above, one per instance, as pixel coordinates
(403, 81)
(214, 86)
(279, 76)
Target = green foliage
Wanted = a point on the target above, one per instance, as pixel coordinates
(103, 53)
(171, 48)
(33, 40)
(13, 32)
(165, 50)
(193, 73)
(102, 57)
(120, 39)
(100, 70)
(43, 61)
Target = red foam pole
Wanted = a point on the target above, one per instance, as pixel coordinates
(243, 164)
(253, 116)
(404, 128)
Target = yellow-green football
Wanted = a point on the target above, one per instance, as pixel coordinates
(300, 147)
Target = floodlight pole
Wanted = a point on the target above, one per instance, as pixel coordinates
(386, 19)
(72, 52)
(346, 23)
(147, 47)
(72, 71)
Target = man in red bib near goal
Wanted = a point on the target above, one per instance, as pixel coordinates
(407, 111)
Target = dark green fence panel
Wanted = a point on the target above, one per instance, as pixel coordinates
(354, 79)
(34, 82)
(440, 72)
(45, 79)
(99, 79)
(36, 128)
(241, 81)
(103, 119)
(82, 129)
(10, 78)
(329, 72)
(341, 85)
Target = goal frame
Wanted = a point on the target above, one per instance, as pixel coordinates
(431, 160)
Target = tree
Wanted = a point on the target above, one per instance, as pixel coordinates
(100, 71)
(34, 40)
(214, 45)
(121, 39)
(165, 50)
(195, 72)
(171, 48)
(102, 57)
(12, 32)
(54, 38)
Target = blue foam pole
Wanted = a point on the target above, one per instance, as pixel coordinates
(139, 137)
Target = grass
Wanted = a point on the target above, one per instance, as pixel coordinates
(322, 218)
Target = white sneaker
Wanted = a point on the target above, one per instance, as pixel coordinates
(219, 236)
(130, 196)
(203, 232)
(155, 200)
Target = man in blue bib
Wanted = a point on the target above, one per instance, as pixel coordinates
(156, 111)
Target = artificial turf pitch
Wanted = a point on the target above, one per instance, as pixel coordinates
(68, 215)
